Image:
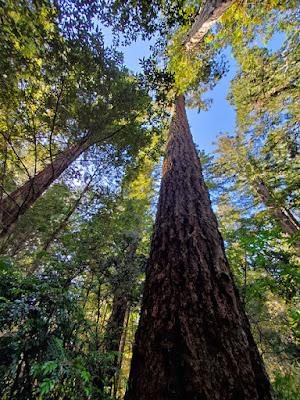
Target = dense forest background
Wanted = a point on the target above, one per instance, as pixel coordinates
(81, 146)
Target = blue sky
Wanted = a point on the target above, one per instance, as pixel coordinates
(205, 126)
(220, 117)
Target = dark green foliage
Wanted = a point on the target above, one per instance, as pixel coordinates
(134, 18)
(62, 89)
(41, 313)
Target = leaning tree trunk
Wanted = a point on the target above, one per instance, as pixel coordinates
(210, 12)
(66, 218)
(194, 340)
(283, 216)
(22, 198)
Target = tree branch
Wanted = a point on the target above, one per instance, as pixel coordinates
(211, 11)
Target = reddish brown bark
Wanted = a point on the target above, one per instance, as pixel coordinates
(22, 198)
(193, 341)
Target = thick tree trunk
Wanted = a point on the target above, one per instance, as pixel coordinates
(22, 198)
(284, 217)
(194, 340)
(209, 13)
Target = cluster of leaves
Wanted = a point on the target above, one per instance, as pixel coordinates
(39, 316)
(248, 22)
(132, 19)
(197, 71)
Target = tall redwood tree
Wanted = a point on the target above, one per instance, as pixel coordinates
(194, 339)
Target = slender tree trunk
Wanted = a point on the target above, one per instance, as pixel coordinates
(194, 340)
(284, 217)
(121, 353)
(115, 324)
(115, 331)
(97, 341)
(120, 308)
(66, 218)
(2, 177)
(48, 243)
(19, 388)
(22, 198)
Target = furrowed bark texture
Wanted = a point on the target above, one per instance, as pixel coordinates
(211, 11)
(193, 341)
(18, 202)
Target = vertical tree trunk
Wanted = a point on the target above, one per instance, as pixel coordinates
(115, 324)
(121, 354)
(120, 309)
(22, 198)
(193, 341)
(114, 334)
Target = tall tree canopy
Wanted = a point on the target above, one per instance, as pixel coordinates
(58, 99)
(100, 299)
